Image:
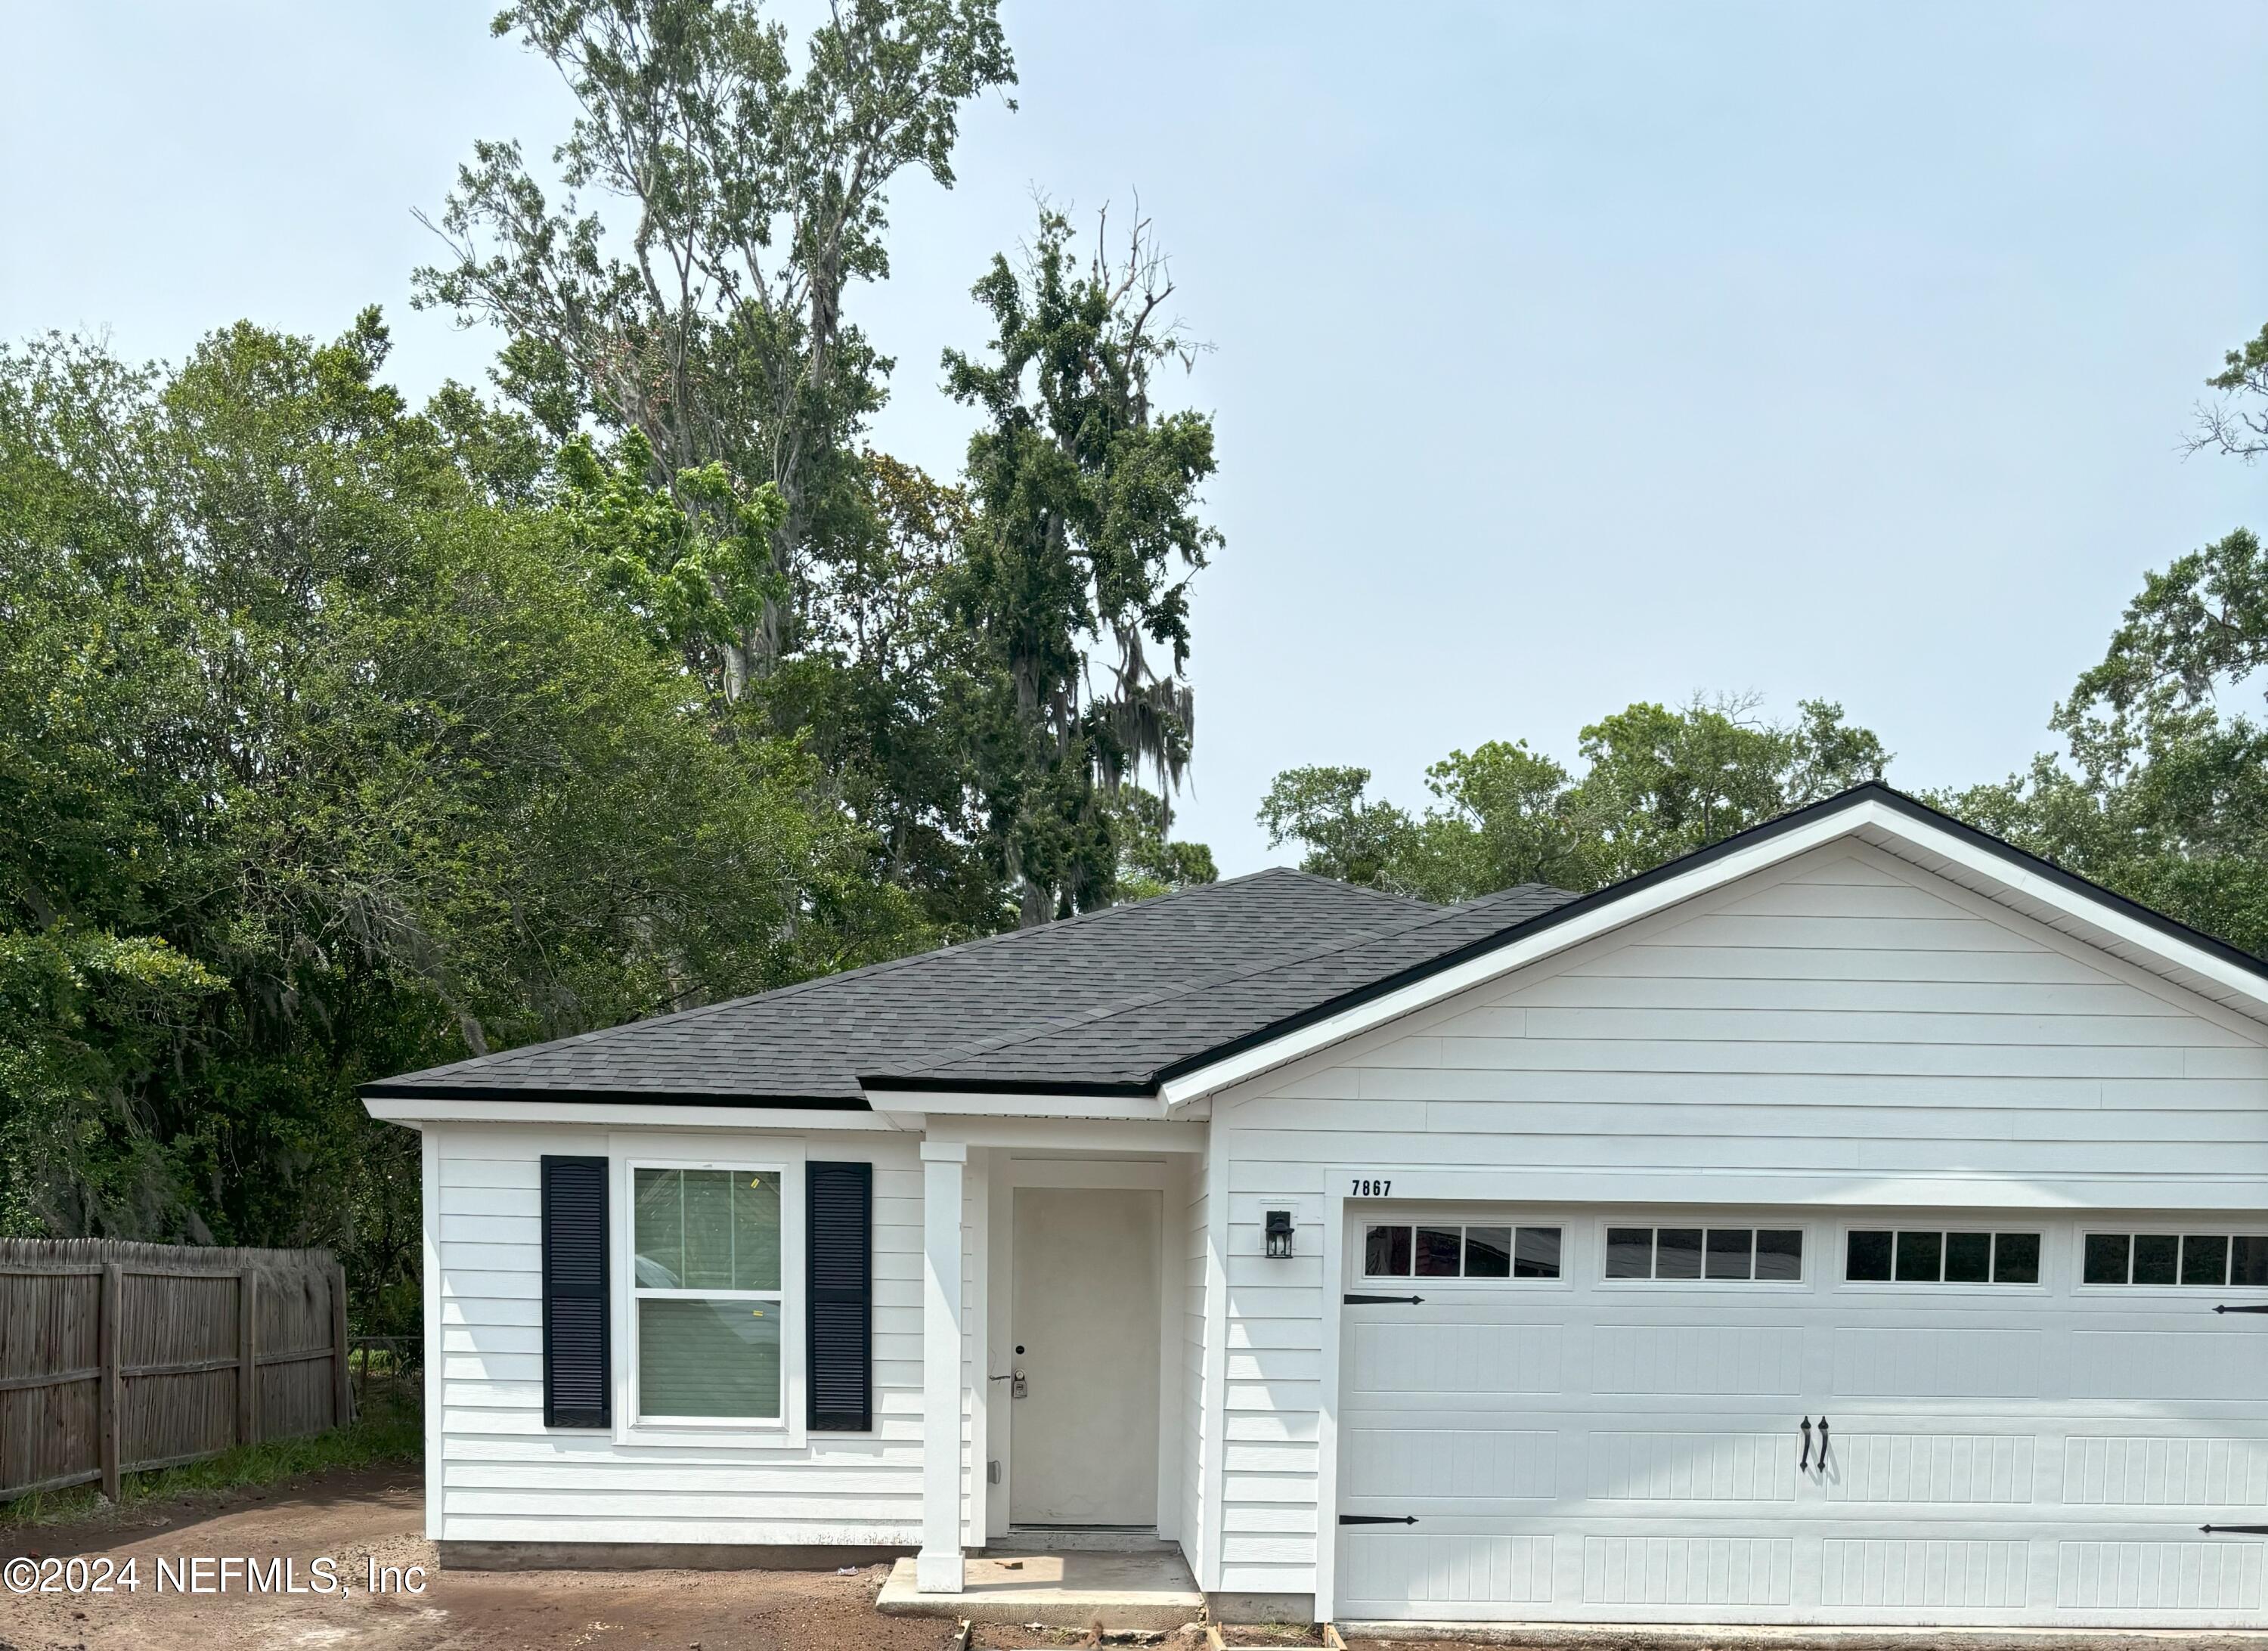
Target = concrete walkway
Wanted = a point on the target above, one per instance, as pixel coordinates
(1059, 1590)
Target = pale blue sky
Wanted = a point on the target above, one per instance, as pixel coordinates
(1566, 355)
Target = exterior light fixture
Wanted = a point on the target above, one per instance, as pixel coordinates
(1279, 1234)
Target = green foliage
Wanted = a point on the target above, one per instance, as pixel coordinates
(1660, 783)
(716, 330)
(1087, 529)
(1152, 861)
(332, 750)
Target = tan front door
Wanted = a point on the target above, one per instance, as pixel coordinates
(1084, 1434)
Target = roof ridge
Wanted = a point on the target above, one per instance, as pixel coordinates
(1430, 915)
(496, 1059)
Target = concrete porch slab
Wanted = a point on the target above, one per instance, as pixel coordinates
(1060, 1590)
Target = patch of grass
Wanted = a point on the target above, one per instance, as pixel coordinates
(390, 1433)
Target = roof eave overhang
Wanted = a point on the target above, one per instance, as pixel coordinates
(615, 1110)
(1886, 819)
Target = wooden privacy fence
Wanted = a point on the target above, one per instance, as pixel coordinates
(115, 1358)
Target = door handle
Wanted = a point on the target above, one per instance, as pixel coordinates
(1822, 1444)
(1804, 1466)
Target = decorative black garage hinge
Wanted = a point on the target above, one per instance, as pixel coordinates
(2234, 1531)
(1380, 1301)
(2263, 1307)
(1378, 1519)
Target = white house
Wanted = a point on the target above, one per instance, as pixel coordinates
(1833, 1226)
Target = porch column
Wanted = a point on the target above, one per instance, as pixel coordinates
(937, 1569)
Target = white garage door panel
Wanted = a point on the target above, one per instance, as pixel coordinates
(1937, 1469)
(1581, 1449)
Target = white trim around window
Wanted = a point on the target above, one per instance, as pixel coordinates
(756, 1156)
(1727, 1221)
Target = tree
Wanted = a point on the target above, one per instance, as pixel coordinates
(1151, 860)
(759, 197)
(1346, 834)
(1660, 783)
(1085, 534)
(329, 748)
(2160, 793)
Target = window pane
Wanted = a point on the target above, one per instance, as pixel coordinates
(1439, 1252)
(1867, 1260)
(660, 1226)
(708, 1358)
(1386, 1252)
(755, 1230)
(2205, 1260)
(1488, 1252)
(1731, 1252)
(2248, 1260)
(1780, 1253)
(1969, 1257)
(2106, 1258)
(1920, 1258)
(1677, 1252)
(2155, 1254)
(1537, 1256)
(707, 1206)
(1629, 1252)
(2016, 1258)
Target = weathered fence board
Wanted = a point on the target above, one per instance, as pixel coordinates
(119, 1357)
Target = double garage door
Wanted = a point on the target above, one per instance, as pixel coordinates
(1651, 1417)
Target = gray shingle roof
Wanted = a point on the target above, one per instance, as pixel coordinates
(810, 1043)
(1134, 1043)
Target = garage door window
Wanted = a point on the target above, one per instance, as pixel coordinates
(1756, 1254)
(1442, 1251)
(2208, 1259)
(1878, 1255)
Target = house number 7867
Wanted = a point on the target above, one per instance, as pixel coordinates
(1365, 1188)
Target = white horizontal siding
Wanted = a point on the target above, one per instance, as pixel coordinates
(1844, 1015)
(503, 1476)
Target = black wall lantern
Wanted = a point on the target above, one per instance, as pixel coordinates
(1279, 1234)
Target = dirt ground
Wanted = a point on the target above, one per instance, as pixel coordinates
(360, 1518)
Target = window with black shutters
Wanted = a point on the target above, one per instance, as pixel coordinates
(577, 1369)
(839, 1305)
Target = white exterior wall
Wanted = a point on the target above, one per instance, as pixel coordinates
(1846, 1028)
(496, 1474)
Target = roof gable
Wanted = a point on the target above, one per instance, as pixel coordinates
(1874, 813)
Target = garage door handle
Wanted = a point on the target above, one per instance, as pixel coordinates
(1382, 1300)
(1378, 1519)
(1804, 1466)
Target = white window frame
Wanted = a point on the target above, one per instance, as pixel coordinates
(2183, 1227)
(1357, 1248)
(1898, 1221)
(762, 1156)
(1804, 1281)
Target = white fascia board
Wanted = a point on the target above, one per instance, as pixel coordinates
(1613, 914)
(986, 1104)
(1114, 1135)
(614, 1113)
(2107, 920)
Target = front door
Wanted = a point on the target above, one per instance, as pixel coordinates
(1083, 1318)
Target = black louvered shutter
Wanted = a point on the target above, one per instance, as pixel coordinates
(839, 1259)
(577, 1384)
